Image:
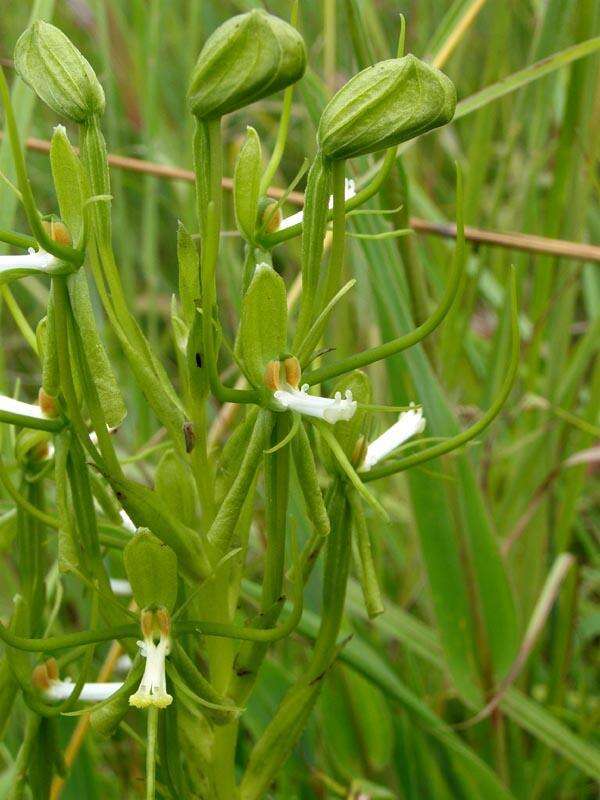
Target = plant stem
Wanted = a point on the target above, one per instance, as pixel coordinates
(151, 753)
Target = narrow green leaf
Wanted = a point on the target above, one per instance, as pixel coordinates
(100, 367)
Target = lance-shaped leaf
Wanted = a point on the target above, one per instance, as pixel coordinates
(107, 387)
(189, 273)
(69, 182)
(151, 567)
(263, 325)
(246, 184)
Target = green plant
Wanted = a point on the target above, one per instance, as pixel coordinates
(186, 561)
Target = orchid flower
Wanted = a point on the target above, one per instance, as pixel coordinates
(53, 689)
(409, 424)
(288, 396)
(152, 690)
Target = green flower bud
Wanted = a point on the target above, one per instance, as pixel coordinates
(248, 57)
(383, 105)
(57, 72)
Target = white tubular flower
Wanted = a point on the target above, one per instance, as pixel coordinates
(35, 259)
(120, 587)
(46, 679)
(287, 396)
(91, 692)
(153, 686)
(331, 409)
(127, 522)
(409, 424)
(296, 219)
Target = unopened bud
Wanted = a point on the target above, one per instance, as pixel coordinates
(57, 72)
(248, 57)
(384, 105)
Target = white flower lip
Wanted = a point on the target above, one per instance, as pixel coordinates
(331, 409)
(153, 686)
(90, 693)
(38, 259)
(409, 424)
(296, 219)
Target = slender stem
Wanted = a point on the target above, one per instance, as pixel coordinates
(336, 261)
(98, 419)
(269, 241)
(61, 312)
(17, 239)
(23, 502)
(284, 124)
(151, 753)
(387, 349)
(20, 321)
(211, 224)
(329, 35)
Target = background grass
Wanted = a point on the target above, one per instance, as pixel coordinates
(473, 539)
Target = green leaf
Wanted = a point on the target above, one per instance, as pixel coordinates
(246, 184)
(69, 183)
(175, 484)
(46, 338)
(107, 387)
(189, 273)
(356, 724)
(68, 556)
(151, 567)
(263, 324)
(521, 78)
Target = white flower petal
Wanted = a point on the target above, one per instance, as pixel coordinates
(409, 424)
(331, 409)
(152, 690)
(38, 259)
(296, 219)
(90, 693)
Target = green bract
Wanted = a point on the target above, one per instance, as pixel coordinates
(58, 73)
(248, 57)
(383, 105)
(151, 567)
(262, 336)
(246, 184)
